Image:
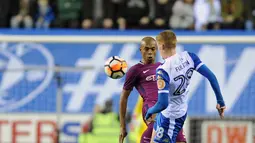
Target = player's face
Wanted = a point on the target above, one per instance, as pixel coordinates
(148, 51)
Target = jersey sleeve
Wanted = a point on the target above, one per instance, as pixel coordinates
(197, 62)
(131, 78)
(206, 72)
(163, 81)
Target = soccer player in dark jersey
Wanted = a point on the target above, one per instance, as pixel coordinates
(142, 76)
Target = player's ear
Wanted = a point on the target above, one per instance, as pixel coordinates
(163, 47)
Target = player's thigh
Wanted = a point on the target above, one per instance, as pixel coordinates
(146, 136)
(153, 135)
(167, 129)
(161, 128)
(181, 137)
(146, 107)
(178, 135)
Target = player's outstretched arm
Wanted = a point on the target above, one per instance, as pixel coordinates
(163, 91)
(206, 72)
(130, 82)
(122, 112)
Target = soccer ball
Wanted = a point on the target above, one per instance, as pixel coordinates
(115, 67)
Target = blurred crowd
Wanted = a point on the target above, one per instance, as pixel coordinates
(128, 14)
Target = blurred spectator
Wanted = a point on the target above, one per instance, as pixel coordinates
(207, 14)
(162, 13)
(87, 14)
(108, 14)
(69, 12)
(23, 14)
(4, 10)
(98, 13)
(45, 14)
(104, 127)
(128, 14)
(183, 15)
(232, 14)
(249, 13)
(135, 13)
(118, 6)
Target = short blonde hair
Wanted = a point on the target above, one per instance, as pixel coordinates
(168, 38)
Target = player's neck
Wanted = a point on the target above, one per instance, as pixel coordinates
(170, 53)
(147, 62)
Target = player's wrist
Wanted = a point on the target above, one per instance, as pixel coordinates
(221, 103)
(122, 126)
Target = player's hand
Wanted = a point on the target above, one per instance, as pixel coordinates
(123, 134)
(149, 117)
(221, 110)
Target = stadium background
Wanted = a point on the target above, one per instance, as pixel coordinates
(53, 78)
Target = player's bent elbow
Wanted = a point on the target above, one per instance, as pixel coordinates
(211, 77)
(125, 94)
(164, 105)
(163, 100)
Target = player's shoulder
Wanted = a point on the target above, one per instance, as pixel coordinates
(189, 54)
(162, 71)
(185, 54)
(132, 71)
(135, 67)
(172, 60)
(164, 65)
(158, 64)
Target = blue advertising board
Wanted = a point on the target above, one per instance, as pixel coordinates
(35, 91)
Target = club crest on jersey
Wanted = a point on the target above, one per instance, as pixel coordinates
(161, 83)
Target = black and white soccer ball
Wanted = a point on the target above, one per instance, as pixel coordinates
(115, 67)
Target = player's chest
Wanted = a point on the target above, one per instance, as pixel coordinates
(147, 75)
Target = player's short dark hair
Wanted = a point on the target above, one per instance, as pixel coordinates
(148, 39)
